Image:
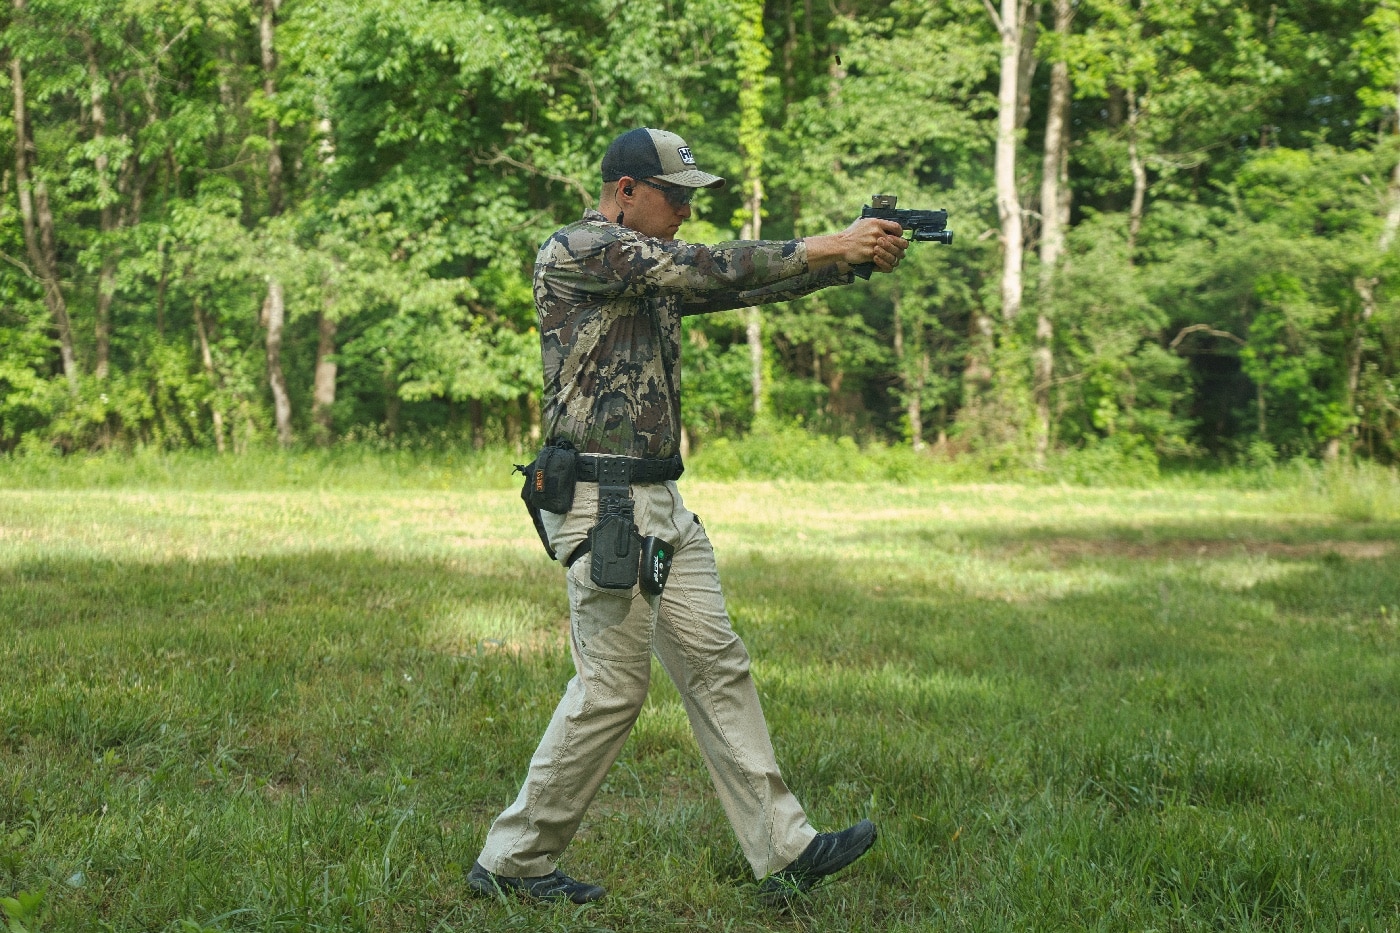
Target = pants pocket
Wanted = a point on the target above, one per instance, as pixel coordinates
(612, 625)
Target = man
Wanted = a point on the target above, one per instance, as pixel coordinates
(610, 291)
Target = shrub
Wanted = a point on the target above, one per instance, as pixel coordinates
(785, 451)
(1121, 460)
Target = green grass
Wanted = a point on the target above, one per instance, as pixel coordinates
(292, 695)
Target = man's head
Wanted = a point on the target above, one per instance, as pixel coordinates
(649, 177)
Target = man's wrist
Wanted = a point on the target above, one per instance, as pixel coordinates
(825, 250)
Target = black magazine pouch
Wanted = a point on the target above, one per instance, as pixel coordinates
(549, 485)
(550, 479)
(656, 564)
(614, 542)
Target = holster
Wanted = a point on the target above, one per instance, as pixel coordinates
(614, 541)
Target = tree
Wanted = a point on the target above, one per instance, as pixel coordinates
(753, 58)
(35, 209)
(377, 175)
(274, 309)
(1054, 219)
(1014, 24)
(1378, 47)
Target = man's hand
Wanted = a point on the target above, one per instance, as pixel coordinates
(869, 239)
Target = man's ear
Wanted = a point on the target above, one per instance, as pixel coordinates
(626, 185)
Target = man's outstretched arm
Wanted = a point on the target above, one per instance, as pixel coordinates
(866, 242)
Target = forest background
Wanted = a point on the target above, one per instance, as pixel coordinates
(228, 224)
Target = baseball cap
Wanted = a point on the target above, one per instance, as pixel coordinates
(648, 153)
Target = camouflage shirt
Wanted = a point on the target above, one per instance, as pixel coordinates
(610, 302)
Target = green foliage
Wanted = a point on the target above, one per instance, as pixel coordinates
(426, 149)
(24, 913)
(778, 451)
(1377, 49)
(716, 394)
(1118, 460)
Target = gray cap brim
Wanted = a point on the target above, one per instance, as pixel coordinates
(693, 178)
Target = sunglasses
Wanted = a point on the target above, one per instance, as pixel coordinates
(675, 195)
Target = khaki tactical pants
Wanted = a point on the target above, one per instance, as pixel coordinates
(613, 635)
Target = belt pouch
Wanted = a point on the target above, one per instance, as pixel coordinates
(656, 564)
(550, 479)
(615, 544)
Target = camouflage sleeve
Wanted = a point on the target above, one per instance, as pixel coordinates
(605, 260)
(784, 290)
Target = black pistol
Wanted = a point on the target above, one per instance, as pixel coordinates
(926, 226)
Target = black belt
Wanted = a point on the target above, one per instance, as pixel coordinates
(638, 470)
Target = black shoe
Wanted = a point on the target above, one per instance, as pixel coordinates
(824, 855)
(555, 887)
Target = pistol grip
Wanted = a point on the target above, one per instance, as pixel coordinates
(863, 269)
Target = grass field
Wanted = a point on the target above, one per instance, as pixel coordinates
(1166, 708)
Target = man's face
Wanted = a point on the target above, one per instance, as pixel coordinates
(655, 209)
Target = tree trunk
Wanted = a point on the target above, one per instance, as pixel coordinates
(275, 313)
(532, 408)
(207, 357)
(1261, 411)
(37, 216)
(1139, 175)
(753, 59)
(242, 439)
(1366, 288)
(106, 290)
(162, 284)
(513, 409)
(476, 412)
(323, 383)
(915, 406)
(323, 388)
(1054, 209)
(910, 380)
(977, 372)
(393, 403)
(107, 277)
(754, 322)
(1011, 24)
(267, 32)
(1025, 73)
(275, 309)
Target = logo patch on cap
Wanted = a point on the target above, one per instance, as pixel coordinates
(685, 155)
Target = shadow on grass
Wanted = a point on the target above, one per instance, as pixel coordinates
(291, 667)
(263, 635)
(1151, 715)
